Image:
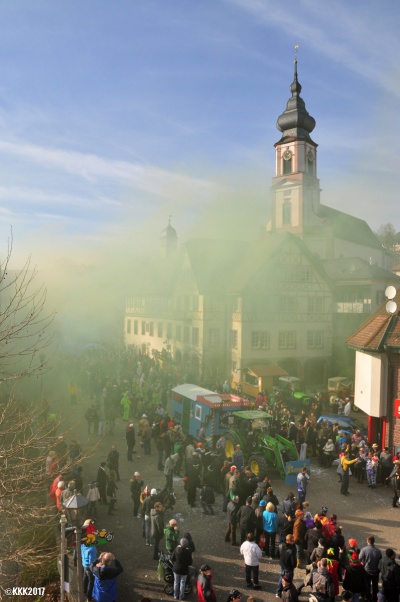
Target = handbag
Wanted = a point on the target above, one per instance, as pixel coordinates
(261, 542)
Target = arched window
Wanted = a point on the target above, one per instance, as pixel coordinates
(287, 166)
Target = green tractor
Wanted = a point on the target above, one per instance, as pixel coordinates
(252, 431)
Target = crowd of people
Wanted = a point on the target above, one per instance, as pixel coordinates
(257, 522)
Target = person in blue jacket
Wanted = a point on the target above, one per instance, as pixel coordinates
(270, 524)
(105, 577)
(89, 555)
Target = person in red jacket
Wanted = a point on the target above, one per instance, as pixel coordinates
(205, 590)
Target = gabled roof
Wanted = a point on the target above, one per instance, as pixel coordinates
(259, 251)
(381, 330)
(354, 268)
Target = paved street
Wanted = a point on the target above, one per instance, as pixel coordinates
(362, 513)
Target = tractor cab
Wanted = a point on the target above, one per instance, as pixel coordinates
(252, 422)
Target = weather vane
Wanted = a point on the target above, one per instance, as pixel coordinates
(296, 51)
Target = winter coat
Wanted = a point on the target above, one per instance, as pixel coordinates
(251, 553)
(354, 578)
(231, 512)
(171, 540)
(390, 574)
(246, 518)
(370, 557)
(205, 590)
(105, 581)
(157, 524)
(287, 556)
(289, 593)
(321, 575)
(299, 531)
(270, 522)
(311, 539)
(182, 559)
(207, 495)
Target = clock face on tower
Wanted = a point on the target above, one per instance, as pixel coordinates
(310, 156)
(287, 155)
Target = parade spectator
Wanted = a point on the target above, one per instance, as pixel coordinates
(101, 480)
(88, 555)
(105, 570)
(205, 590)
(113, 461)
(157, 527)
(270, 526)
(171, 533)
(302, 483)
(136, 489)
(182, 559)
(252, 554)
(370, 556)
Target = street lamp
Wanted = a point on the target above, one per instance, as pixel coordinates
(75, 508)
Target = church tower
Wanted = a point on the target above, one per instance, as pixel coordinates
(295, 187)
(168, 240)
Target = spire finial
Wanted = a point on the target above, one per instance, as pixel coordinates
(296, 51)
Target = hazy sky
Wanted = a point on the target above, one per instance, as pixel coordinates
(114, 115)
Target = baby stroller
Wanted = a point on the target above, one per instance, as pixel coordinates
(166, 564)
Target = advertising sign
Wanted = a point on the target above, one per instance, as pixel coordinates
(292, 469)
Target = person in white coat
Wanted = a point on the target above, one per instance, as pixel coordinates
(252, 554)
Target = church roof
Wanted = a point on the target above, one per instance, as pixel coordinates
(380, 331)
(354, 268)
(347, 227)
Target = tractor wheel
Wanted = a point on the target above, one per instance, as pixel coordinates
(231, 441)
(258, 465)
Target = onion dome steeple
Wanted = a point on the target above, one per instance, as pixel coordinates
(168, 239)
(295, 122)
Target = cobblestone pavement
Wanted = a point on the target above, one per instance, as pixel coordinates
(362, 513)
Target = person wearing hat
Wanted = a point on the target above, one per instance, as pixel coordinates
(322, 515)
(205, 590)
(347, 407)
(148, 506)
(289, 590)
(130, 440)
(258, 513)
(354, 576)
(287, 561)
(234, 596)
(182, 559)
(136, 489)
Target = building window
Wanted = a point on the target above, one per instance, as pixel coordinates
(315, 339)
(287, 304)
(234, 339)
(160, 329)
(287, 214)
(305, 273)
(128, 326)
(195, 336)
(287, 163)
(260, 339)
(213, 335)
(197, 412)
(315, 305)
(136, 327)
(143, 327)
(287, 339)
(151, 329)
(178, 333)
(186, 334)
